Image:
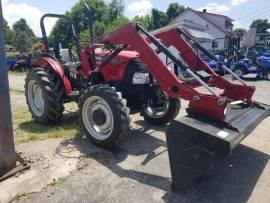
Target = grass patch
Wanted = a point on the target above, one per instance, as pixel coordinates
(12, 53)
(59, 181)
(19, 195)
(17, 73)
(26, 129)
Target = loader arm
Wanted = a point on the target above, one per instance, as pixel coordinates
(174, 37)
(212, 105)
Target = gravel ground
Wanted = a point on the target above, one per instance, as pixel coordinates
(138, 170)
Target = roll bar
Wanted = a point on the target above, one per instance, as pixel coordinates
(43, 30)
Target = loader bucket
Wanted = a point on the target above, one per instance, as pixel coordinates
(196, 143)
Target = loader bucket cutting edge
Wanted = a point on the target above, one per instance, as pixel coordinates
(196, 143)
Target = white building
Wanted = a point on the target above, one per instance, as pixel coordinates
(204, 26)
(9, 48)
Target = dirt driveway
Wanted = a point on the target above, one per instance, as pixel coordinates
(138, 169)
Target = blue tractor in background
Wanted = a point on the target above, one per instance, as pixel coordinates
(11, 61)
(216, 66)
(256, 66)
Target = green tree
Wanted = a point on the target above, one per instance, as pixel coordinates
(239, 32)
(35, 46)
(62, 32)
(174, 10)
(22, 26)
(144, 21)
(262, 25)
(8, 33)
(98, 29)
(159, 18)
(106, 17)
(117, 23)
(22, 42)
(79, 14)
(23, 36)
(115, 10)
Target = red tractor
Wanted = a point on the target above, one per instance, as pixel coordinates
(131, 74)
(105, 84)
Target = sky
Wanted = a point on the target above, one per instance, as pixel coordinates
(242, 11)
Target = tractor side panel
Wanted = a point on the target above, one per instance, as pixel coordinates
(265, 62)
(115, 70)
(49, 63)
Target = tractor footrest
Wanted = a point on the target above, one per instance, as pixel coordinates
(196, 143)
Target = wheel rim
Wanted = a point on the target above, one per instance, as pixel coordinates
(100, 129)
(267, 76)
(157, 112)
(35, 96)
(238, 72)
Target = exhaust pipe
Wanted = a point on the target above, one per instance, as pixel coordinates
(196, 143)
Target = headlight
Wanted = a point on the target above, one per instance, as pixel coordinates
(140, 78)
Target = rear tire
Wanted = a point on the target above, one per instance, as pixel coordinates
(103, 115)
(44, 95)
(22, 68)
(156, 117)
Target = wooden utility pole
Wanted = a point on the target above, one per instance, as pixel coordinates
(7, 149)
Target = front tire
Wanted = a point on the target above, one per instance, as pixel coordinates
(44, 95)
(267, 75)
(161, 115)
(239, 71)
(103, 115)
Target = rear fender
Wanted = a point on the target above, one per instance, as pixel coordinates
(49, 63)
(22, 62)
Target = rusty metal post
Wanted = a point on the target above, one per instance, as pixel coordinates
(7, 149)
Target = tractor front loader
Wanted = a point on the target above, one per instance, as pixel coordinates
(123, 71)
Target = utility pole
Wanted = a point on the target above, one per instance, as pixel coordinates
(7, 149)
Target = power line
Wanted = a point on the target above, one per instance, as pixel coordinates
(253, 16)
(257, 15)
(249, 15)
(254, 12)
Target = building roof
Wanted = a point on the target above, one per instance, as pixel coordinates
(215, 14)
(202, 36)
(201, 14)
(199, 35)
(9, 46)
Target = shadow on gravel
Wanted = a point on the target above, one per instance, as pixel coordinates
(252, 79)
(148, 128)
(233, 180)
